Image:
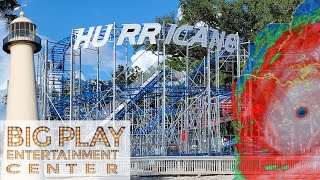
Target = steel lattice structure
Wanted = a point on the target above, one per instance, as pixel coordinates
(171, 112)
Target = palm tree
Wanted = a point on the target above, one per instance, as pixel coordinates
(7, 8)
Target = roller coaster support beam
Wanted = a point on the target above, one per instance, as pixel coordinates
(209, 98)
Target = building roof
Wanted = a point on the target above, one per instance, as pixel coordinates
(21, 18)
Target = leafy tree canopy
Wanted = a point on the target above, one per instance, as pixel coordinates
(244, 16)
(7, 10)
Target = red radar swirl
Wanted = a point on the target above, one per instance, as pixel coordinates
(280, 110)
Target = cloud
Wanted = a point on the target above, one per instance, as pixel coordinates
(4, 70)
(199, 24)
(89, 61)
(4, 58)
(89, 56)
(3, 93)
(179, 15)
(144, 59)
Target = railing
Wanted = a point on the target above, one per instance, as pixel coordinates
(36, 40)
(179, 165)
(144, 76)
(137, 83)
(182, 165)
(22, 36)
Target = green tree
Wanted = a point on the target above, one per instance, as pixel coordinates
(167, 19)
(246, 17)
(176, 59)
(7, 10)
(133, 74)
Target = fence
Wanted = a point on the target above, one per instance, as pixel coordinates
(206, 165)
(177, 165)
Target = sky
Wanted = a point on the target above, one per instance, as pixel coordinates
(56, 19)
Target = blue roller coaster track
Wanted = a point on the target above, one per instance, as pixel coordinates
(134, 94)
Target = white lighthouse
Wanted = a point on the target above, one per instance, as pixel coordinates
(22, 43)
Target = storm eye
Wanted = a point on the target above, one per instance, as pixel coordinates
(302, 112)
